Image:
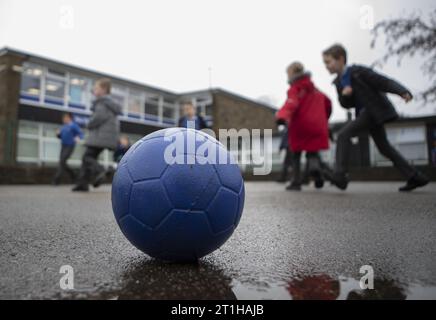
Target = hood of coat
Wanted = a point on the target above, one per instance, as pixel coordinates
(109, 103)
(303, 81)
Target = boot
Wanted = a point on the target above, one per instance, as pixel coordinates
(417, 181)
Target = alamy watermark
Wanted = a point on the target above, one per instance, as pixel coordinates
(66, 17)
(243, 147)
(366, 17)
(367, 280)
(66, 281)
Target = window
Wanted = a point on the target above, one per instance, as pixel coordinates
(28, 128)
(78, 92)
(135, 105)
(37, 143)
(50, 130)
(31, 81)
(168, 112)
(55, 73)
(119, 94)
(31, 86)
(410, 141)
(55, 84)
(28, 143)
(208, 110)
(204, 106)
(51, 149)
(54, 89)
(28, 148)
(199, 109)
(152, 108)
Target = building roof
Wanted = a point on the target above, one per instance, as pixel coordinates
(233, 95)
(42, 59)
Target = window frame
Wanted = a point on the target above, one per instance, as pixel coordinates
(155, 100)
(51, 100)
(173, 106)
(140, 95)
(38, 97)
(86, 96)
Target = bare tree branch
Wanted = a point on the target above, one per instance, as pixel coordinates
(408, 37)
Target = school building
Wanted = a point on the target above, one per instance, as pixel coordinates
(35, 91)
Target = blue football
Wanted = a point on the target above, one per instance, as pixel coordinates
(177, 194)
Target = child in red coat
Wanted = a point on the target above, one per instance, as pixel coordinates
(306, 111)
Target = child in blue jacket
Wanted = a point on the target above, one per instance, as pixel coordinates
(70, 134)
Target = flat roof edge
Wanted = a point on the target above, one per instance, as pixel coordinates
(25, 54)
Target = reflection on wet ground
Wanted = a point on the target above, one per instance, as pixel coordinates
(324, 287)
(152, 279)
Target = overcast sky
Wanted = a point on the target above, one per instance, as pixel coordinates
(246, 44)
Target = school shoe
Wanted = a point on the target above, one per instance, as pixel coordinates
(99, 179)
(340, 180)
(80, 188)
(319, 183)
(417, 181)
(294, 187)
(319, 180)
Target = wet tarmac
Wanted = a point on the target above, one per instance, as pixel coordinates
(308, 245)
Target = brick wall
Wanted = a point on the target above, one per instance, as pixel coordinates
(230, 112)
(9, 98)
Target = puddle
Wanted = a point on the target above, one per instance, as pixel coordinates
(323, 287)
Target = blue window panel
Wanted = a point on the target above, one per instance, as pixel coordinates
(151, 117)
(29, 97)
(54, 101)
(168, 121)
(76, 94)
(134, 115)
(77, 106)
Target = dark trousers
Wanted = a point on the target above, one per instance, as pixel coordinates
(313, 166)
(66, 152)
(286, 164)
(90, 166)
(364, 123)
